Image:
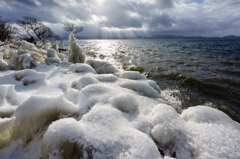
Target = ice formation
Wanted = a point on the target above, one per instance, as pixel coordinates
(91, 110)
(52, 57)
(26, 46)
(62, 56)
(3, 64)
(47, 45)
(55, 45)
(25, 61)
(75, 54)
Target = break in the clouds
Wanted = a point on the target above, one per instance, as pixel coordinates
(118, 18)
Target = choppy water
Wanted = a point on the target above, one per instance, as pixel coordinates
(189, 72)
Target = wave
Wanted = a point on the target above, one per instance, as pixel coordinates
(230, 72)
(230, 63)
(229, 81)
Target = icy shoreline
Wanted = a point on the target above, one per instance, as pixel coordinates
(91, 110)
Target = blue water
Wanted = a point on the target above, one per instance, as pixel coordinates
(204, 72)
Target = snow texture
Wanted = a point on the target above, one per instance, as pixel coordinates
(80, 68)
(101, 133)
(134, 75)
(102, 67)
(39, 111)
(84, 110)
(142, 87)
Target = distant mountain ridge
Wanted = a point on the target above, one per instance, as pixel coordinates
(157, 37)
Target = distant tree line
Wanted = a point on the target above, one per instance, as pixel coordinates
(32, 29)
(7, 30)
(70, 27)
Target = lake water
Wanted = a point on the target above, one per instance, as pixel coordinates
(189, 72)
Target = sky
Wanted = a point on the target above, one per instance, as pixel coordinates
(132, 18)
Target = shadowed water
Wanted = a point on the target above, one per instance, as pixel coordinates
(189, 72)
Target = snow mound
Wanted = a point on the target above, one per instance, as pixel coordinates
(89, 79)
(9, 100)
(211, 133)
(75, 54)
(204, 114)
(102, 67)
(81, 68)
(99, 134)
(52, 57)
(166, 124)
(95, 93)
(38, 111)
(60, 139)
(154, 85)
(142, 87)
(134, 75)
(125, 103)
(86, 80)
(28, 77)
(106, 78)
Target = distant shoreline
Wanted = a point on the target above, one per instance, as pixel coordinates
(229, 37)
